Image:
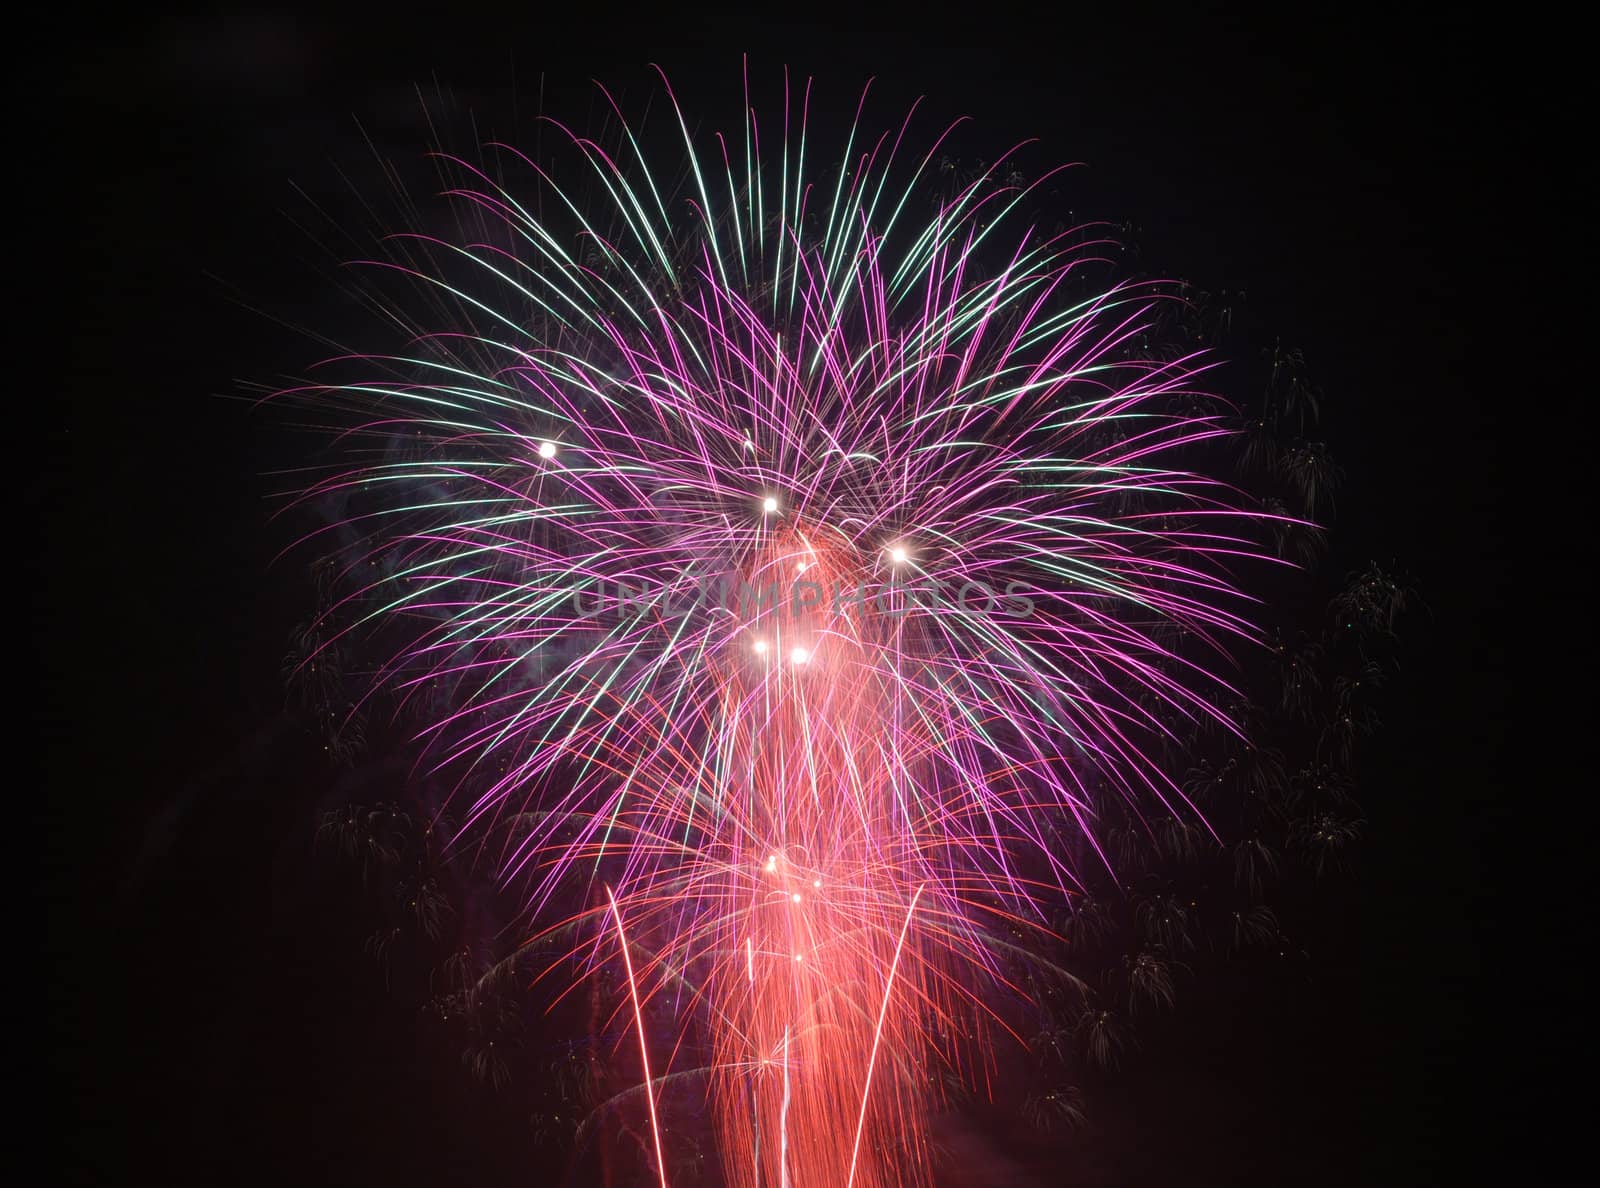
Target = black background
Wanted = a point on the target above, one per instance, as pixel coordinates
(211, 1019)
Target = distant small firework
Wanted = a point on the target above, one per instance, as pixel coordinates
(961, 567)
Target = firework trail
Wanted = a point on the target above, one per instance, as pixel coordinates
(791, 554)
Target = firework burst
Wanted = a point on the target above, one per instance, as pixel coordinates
(783, 562)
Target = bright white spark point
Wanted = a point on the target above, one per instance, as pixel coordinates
(799, 655)
(547, 449)
(772, 864)
(796, 897)
(897, 555)
(817, 883)
(761, 647)
(799, 957)
(800, 568)
(769, 505)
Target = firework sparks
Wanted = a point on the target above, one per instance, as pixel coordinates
(958, 578)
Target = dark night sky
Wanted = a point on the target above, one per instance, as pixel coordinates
(212, 1018)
